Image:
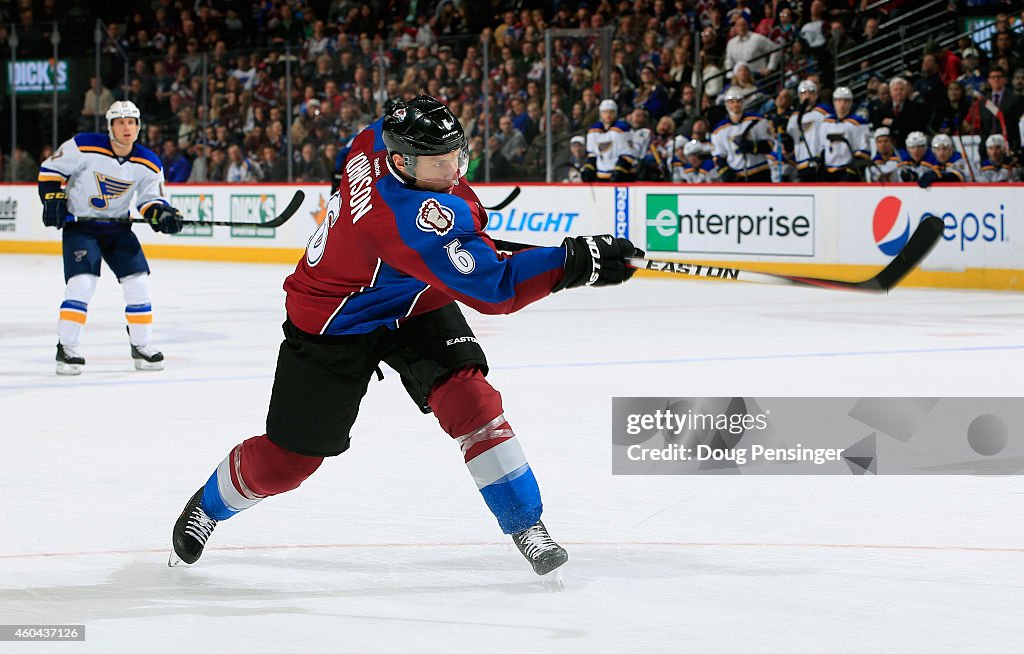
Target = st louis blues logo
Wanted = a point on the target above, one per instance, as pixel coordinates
(109, 188)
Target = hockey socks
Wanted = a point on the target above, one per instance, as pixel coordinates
(256, 468)
(469, 410)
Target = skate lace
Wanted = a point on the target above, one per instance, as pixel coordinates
(200, 525)
(536, 540)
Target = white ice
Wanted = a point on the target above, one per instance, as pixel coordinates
(389, 547)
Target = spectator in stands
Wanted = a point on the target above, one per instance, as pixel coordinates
(651, 95)
(815, 30)
(929, 87)
(95, 103)
(949, 117)
(971, 78)
(513, 143)
(24, 166)
(176, 167)
(751, 48)
(272, 166)
(1010, 106)
(902, 115)
(743, 84)
(500, 168)
(239, 169)
(309, 167)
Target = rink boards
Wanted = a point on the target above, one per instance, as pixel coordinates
(839, 230)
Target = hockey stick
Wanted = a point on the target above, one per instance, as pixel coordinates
(507, 201)
(917, 248)
(276, 221)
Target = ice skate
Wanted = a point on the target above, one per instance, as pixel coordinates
(536, 545)
(69, 361)
(191, 531)
(147, 357)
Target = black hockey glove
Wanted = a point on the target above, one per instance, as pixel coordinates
(55, 206)
(745, 146)
(589, 171)
(926, 180)
(164, 218)
(727, 174)
(908, 175)
(596, 261)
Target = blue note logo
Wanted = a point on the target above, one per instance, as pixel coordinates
(109, 189)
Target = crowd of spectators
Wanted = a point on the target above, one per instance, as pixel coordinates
(672, 61)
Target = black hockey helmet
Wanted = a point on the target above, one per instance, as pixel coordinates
(422, 126)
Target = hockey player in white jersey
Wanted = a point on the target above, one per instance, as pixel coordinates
(916, 160)
(89, 178)
(885, 162)
(691, 165)
(845, 139)
(949, 165)
(741, 143)
(610, 153)
(997, 166)
(803, 129)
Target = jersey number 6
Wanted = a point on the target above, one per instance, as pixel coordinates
(461, 259)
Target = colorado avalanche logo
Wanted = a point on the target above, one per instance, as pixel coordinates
(400, 114)
(891, 230)
(435, 217)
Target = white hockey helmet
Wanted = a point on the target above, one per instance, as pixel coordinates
(942, 141)
(693, 147)
(995, 141)
(807, 86)
(608, 105)
(732, 93)
(917, 139)
(123, 109)
(842, 93)
(882, 131)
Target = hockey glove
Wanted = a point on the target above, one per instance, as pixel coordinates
(745, 146)
(727, 174)
(164, 218)
(926, 180)
(589, 171)
(55, 207)
(908, 175)
(596, 261)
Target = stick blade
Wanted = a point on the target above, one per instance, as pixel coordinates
(921, 242)
(288, 212)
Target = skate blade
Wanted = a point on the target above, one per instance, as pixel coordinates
(69, 368)
(142, 364)
(554, 581)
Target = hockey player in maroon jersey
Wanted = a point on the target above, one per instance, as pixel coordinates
(402, 239)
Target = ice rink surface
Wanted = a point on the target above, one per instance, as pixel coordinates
(389, 548)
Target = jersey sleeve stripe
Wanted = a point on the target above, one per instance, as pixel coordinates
(96, 149)
(51, 177)
(146, 163)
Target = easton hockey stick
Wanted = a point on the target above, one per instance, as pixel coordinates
(917, 248)
(276, 221)
(507, 201)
